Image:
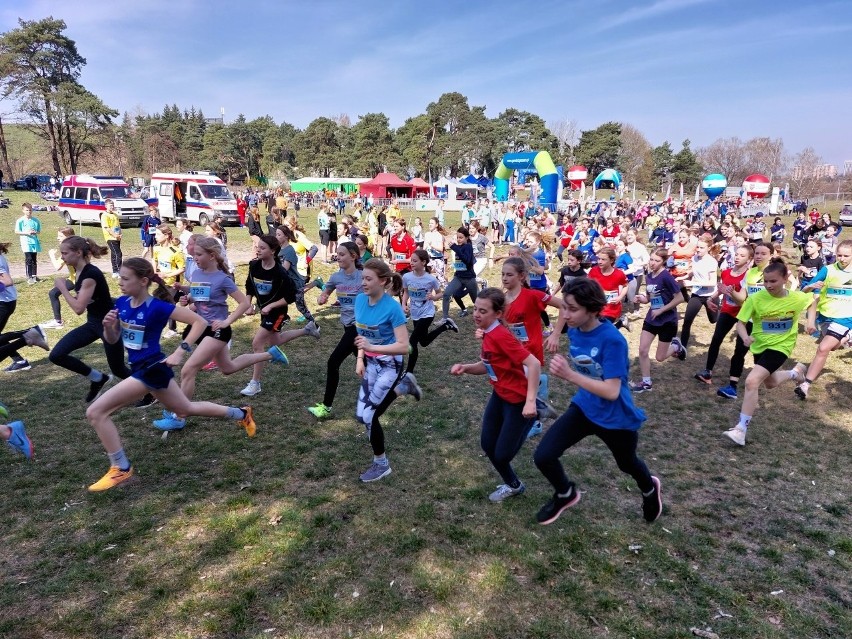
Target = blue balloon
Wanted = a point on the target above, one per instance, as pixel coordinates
(714, 185)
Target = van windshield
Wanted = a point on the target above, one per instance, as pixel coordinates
(215, 192)
(114, 192)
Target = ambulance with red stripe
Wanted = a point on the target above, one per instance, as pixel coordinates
(195, 195)
(82, 197)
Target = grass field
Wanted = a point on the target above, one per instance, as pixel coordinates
(222, 536)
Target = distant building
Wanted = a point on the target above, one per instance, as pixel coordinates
(847, 167)
(215, 120)
(825, 171)
(819, 172)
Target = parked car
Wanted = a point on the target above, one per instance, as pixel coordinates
(32, 182)
(846, 215)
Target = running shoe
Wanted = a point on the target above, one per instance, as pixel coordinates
(535, 429)
(169, 423)
(320, 411)
(170, 334)
(704, 376)
(148, 400)
(15, 367)
(96, 388)
(640, 386)
(301, 319)
(652, 505)
(19, 441)
(411, 387)
(451, 325)
(251, 389)
(504, 491)
(54, 323)
(278, 355)
(798, 372)
(37, 337)
(546, 411)
(210, 366)
(625, 323)
(556, 506)
(729, 391)
(547, 332)
(312, 329)
(113, 477)
(375, 472)
(464, 312)
(247, 422)
(736, 435)
(802, 391)
(681, 349)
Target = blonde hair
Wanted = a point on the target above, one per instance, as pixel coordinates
(212, 247)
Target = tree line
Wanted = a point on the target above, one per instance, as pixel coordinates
(40, 69)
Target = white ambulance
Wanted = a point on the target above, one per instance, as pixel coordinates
(195, 195)
(82, 197)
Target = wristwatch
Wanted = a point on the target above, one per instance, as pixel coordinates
(185, 346)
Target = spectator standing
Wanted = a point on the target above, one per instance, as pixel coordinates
(28, 228)
(111, 227)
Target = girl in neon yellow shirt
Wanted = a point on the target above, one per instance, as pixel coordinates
(774, 313)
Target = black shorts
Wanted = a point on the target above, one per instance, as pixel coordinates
(274, 320)
(156, 376)
(665, 333)
(223, 334)
(770, 360)
(324, 236)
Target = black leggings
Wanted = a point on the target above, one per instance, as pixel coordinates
(421, 336)
(6, 310)
(345, 347)
(88, 333)
(10, 343)
(573, 426)
(31, 264)
(723, 326)
(377, 433)
(692, 308)
(115, 254)
(55, 296)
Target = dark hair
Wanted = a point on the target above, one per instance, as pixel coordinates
(496, 297)
(272, 242)
(4, 247)
(577, 255)
(143, 268)
(587, 293)
(287, 232)
(463, 231)
(609, 252)
(422, 255)
(354, 251)
(777, 265)
(85, 245)
(383, 272)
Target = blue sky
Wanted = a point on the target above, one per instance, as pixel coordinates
(675, 69)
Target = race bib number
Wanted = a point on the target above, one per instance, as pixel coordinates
(370, 332)
(838, 291)
(755, 289)
(400, 257)
(776, 325)
(417, 294)
(519, 331)
(611, 296)
(164, 265)
(490, 371)
(200, 291)
(657, 302)
(681, 265)
(133, 336)
(587, 367)
(263, 287)
(346, 299)
(459, 265)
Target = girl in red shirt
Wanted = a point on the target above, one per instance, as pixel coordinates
(514, 375)
(614, 283)
(402, 246)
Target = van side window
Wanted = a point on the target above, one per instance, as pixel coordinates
(194, 193)
(166, 189)
(81, 193)
(95, 196)
(68, 193)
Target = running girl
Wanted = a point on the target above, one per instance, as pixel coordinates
(435, 245)
(420, 290)
(774, 314)
(289, 261)
(479, 243)
(382, 341)
(209, 290)
(464, 279)
(831, 311)
(137, 321)
(54, 295)
(663, 293)
(614, 284)
(811, 262)
(402, 246)
(602, 406)
(269, 284)
(732, 290)
(703, 277)
(514, 375)
(91, 295)
(347, 283)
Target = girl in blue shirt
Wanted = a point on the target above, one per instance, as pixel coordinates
(138, 321)
(381, 342)
(602, 406)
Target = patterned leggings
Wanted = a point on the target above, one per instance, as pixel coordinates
(376, 394)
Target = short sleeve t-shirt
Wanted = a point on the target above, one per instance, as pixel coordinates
(209, 292)
(835, 296)
(10, 293)
(418, 288)
(169, 258)
(109, 222)
(29, 243)
(682, 259)
(539, 280)
(269, 285)
(288, 254)
(704, 269)
(775, 320)
(523, 319)
(503, 357)
(141, 327)
(402, 249)
(601, 354)
(101, 302)
(661, 289)
(377, 322)
(754, 281)
(611, 284)
(347, 287)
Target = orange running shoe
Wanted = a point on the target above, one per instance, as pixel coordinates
(247, 422)
(114, 477)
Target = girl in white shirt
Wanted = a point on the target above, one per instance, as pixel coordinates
(703, 279)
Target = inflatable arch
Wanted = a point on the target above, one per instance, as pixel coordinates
(543, 164)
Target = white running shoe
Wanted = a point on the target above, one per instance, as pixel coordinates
(53, 324)
(736, 435)
(312, 329)
(251, 389)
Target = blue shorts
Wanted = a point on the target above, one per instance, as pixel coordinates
(156, 376)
